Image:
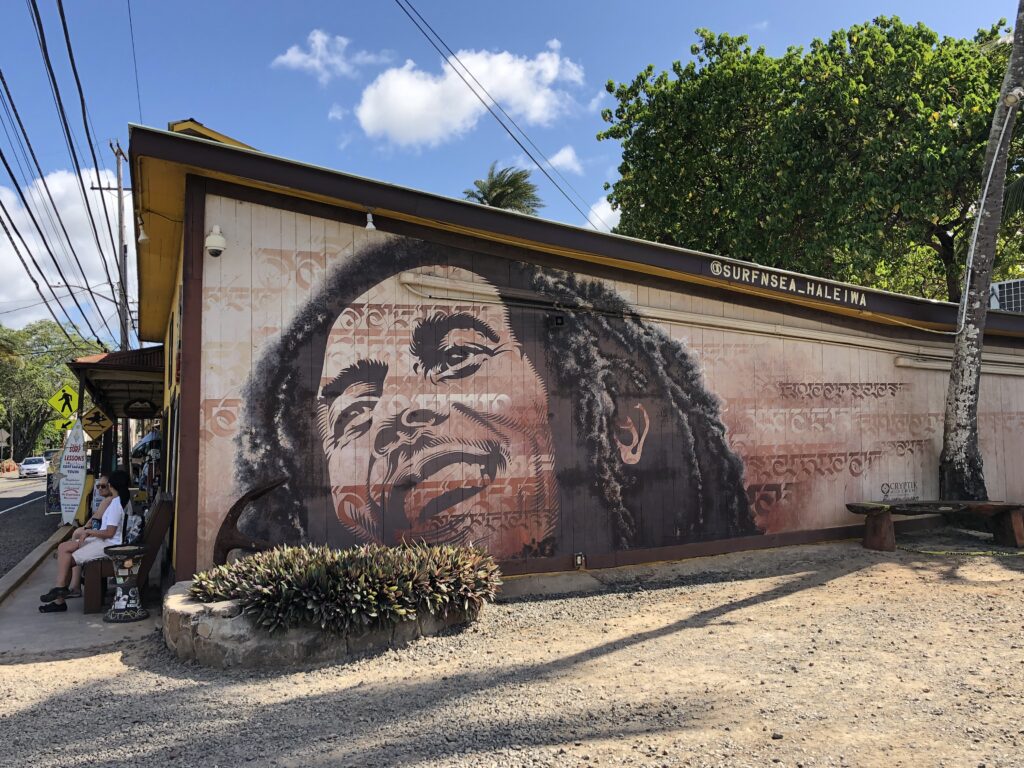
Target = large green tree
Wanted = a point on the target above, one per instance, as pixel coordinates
(508, 188)
(857, 159)
(33, 365)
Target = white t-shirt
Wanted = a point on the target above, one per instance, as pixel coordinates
(113, 515)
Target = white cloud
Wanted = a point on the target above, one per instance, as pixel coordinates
(565, 159)
(18, 292)
(327, 57)
(595, 103)
(602, 217)
(337, 112)
(760, 25)
(554, 44)
(411, 107)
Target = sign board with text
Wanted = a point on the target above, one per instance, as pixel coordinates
(72, 471)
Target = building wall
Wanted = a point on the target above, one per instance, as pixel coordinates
(410, 390)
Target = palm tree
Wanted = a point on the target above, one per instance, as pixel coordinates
(509, 188)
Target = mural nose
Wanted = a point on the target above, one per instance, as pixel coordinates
(405, 425)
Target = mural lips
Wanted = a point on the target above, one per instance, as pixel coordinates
(416, 483)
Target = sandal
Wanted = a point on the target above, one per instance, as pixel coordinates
(53, 594)
(73, 593)
(53, 607)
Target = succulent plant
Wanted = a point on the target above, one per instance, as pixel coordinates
(353, 589)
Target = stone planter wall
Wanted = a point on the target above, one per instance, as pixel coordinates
(218, 635)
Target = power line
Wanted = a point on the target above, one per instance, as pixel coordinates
(135, 61)
(42, 177)
(36, 303)
(32, 277)
(46, 245)
(453, 55)
(24, 168)
(62, 115)
(85, 117)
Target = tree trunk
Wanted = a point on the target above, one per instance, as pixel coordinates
(947, 255)
(961, 470)
(28, 424)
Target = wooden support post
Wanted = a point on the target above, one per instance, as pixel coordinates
(1008, 529)
(879, 533)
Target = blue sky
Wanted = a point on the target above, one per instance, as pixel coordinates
(354, 86)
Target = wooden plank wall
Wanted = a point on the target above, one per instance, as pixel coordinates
(816, 422)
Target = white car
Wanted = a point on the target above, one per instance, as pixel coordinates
(33, 466)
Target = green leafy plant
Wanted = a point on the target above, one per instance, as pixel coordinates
(350, 590)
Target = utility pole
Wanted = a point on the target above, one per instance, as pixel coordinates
(122, 262)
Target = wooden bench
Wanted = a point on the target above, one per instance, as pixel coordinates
(96, 572)
(1005, 520)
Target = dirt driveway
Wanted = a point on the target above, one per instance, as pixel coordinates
(816, 656)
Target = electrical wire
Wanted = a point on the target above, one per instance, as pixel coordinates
(36, 303)
(135, 61)
(62, 115)
(489, 108)
(31, 277)
(9, 100)
(85, 118)
(46, 245)
(525, 135)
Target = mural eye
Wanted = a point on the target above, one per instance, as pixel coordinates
(460, 361)
(354, 420)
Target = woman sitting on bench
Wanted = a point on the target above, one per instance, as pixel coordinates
(93, 543)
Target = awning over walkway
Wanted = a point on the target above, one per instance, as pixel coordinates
(124, 384)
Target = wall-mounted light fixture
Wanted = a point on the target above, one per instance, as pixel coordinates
(369, 219)
(143, 237)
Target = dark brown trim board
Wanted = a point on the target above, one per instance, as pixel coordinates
(572, 242)
(707, 548)
(187, 497)
(287, 202)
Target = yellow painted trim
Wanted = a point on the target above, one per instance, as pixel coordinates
(194, 127)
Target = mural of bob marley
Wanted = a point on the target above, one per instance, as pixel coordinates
(435, 394)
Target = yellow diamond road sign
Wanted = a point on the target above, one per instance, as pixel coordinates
(95, 423)
(64, 401)
(64, 424)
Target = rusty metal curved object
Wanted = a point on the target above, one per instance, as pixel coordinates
(229, 537)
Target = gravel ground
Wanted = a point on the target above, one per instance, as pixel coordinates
(21, 531)
(823, 655)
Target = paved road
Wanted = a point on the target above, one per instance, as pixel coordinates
(23, 526)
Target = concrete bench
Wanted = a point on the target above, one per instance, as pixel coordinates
(1005, 520)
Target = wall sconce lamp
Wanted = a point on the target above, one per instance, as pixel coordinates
(369, 219)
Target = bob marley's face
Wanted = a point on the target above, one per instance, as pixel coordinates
(434, 422)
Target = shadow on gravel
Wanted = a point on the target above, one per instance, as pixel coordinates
(947, 550)
(199, 723)
(349, 722)
(195, 716)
